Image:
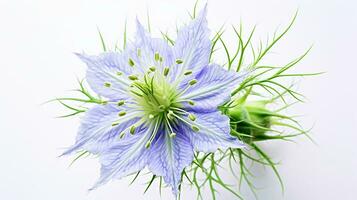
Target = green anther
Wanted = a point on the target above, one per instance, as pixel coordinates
(122, 135)
(119, 73)
(106, 84)
(157, 56)
(192, 103)
(151, 116)
(179, 61)
(161, 107)
(195, 128)
(192, 117)
(131, 62)
(115, 124)
(139, 52)
(152, 69)
(121, 102)
(132, 130)
(122, 113)
(148, 144)
(160, 59)
(104, 102)
(166, 71)
(172, 135)
(133, 77)
(192, 82)
(188, 72)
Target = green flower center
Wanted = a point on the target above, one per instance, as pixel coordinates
(155, 95)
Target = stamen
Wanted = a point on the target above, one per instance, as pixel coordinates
(148, 144)
(115, 123)
(195, 128)
(166, 71)
(152, 137)
(139, 52)
(133, 77)
(172, 134)
(192, 117)
(192, 82)
(151, 116)
(170, 115)
(192, 103)
(152, 69)
(132, 129)
(121, 102)
(122, 113)
(179, 61)
(131, 62)
(161, 107)
(192, 124)
(122, 134)
(107, 84)
(157, 56)
(188, 72)
(119, 73)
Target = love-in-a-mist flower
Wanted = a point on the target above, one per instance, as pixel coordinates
(162, 105)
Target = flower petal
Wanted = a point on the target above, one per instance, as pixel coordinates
(169, 156)
(213, 88)
(103, 74)
(193, 45)
(148, 52)
(96, 131)
(214, 133)
(125, 157)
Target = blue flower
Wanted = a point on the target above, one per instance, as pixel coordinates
(162, 105)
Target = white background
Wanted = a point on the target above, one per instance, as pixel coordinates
(37, 39)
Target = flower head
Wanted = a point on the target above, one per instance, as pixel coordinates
(162, 105)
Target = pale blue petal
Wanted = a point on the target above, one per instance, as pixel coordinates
(104, 69)
(96, 131)
(214, 132)
(193, 45)
(169, 156)
(213, 88)
(143, 51)
(125, 157)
